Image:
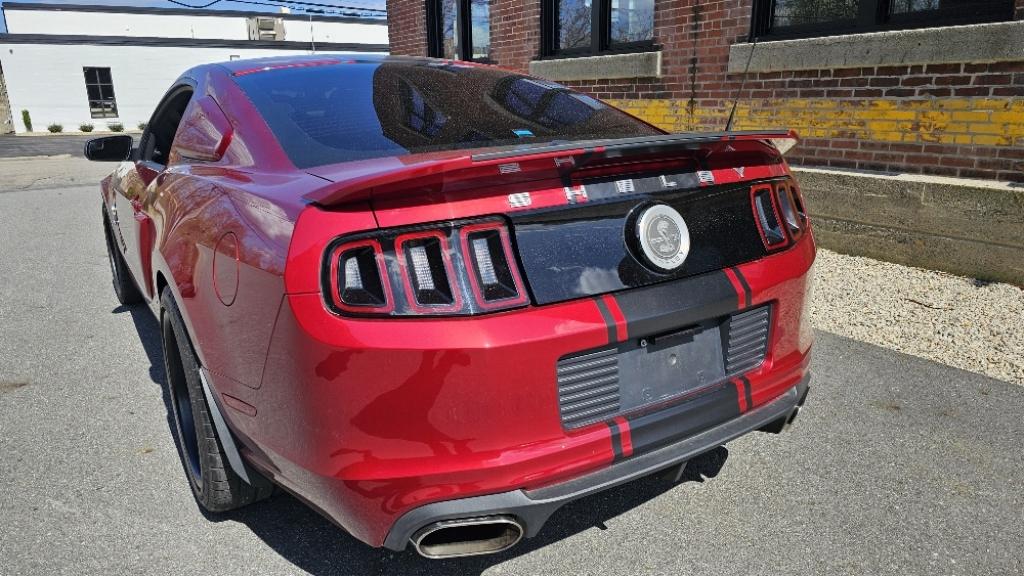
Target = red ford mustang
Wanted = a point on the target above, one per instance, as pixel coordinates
(436, 301)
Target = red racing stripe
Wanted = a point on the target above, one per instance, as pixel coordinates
(740, 394)
(731, 275)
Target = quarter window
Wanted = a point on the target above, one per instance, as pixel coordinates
(791, 18)
(584, 27)
(100, 88)
(459, 29)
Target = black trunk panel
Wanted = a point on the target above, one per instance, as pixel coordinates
(581, 250)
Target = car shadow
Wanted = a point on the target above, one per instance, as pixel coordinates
(314, 544)
(149, 335)
(148, 328)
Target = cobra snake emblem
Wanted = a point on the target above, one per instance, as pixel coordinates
(666, 241)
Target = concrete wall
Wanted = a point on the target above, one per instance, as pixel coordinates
(196, 25)
(300, 31)
(48, 81)
(6, 118)
(124, 24)
(971, 228)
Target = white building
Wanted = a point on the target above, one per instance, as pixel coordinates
(75, 64)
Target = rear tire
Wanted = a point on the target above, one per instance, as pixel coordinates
(124, 286)
(216, 487)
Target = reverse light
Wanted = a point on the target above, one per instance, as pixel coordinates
(493, 273)
(453, 268)
(357, 279)
(425, 263)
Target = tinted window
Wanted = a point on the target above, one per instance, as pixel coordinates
(480, 16)
(354, 111)
(803, 12)
(574, 23)
(632, 20)
(449, 31)
(949, 8)
(100, 89)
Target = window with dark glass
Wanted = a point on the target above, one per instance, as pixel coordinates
(584, 27)
(391, 108)
(100, 89)
(791, 18)
(459, 29)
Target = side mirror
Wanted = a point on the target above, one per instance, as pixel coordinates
(109, 148)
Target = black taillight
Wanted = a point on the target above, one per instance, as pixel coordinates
(358, 278)
(425, 262)
(493, 273)
(787, 206)
(451, 268)
(767, 216)
(798, 204)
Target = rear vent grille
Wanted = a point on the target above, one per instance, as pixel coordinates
(588, 387)
(748, 340)
(588, 384)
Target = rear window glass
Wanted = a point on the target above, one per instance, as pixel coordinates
(355, 111)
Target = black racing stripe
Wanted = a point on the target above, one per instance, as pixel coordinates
(673, 305)
(609, 320)
(616, 440)
(651, 431)
(746, 392)
(743, 283)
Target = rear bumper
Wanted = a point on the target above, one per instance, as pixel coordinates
(534, 507)
(370, 420)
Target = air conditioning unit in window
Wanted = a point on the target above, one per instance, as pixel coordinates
(266, 28)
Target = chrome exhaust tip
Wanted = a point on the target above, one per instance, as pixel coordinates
(467, 537)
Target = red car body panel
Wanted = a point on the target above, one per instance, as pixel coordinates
(368, 418)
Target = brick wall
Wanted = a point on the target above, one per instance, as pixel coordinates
(515, 32)
(952, 119)
(407, 27)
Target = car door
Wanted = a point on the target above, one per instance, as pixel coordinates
(137, 182)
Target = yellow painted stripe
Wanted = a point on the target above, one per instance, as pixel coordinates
(984, 121)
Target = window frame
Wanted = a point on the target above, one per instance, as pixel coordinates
(872, 16)
(147, 143)
(463, 28)
(600, 33)
(102, 113)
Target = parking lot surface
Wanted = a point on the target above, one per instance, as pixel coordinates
(12, 146)
(898, 465)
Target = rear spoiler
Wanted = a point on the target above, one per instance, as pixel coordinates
(527, 163)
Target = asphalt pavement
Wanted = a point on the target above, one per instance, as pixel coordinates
(12, 146)
(897, 465)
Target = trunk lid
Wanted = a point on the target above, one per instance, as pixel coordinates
(460, 169)
(574, 208)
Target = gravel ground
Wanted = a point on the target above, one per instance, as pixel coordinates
(956, 321)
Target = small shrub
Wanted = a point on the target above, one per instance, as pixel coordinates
(115, 127)
(85, 127)
(54, 128)
(26, 119)
(142, 125)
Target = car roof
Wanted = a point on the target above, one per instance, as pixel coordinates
(237, 67)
